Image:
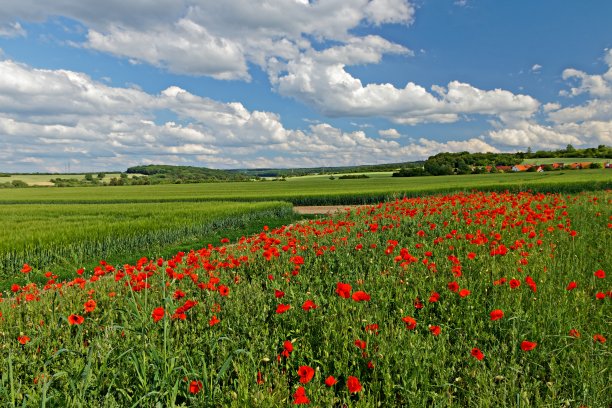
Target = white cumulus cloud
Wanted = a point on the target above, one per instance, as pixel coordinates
(583, 125)
(389, 133)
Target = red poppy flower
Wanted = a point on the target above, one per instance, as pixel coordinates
(213, 320)
(453, 286)
(90, 306)
(371, 328)
(224, 290)
(282, 308)
(300, 397)
(188, 305)
(599, 338)
(410, 322)
(260, 379)
(330, 381)
(278, 293)
(435, 296)
(471, 255)
(418, 304)
(75, 319)
(477, 354)
(514, 283)
(571, 286)
(308, 305)
(26, 268)
(287, 348)
(600, 296)
(15, 288)
(360, 344)
(23, 339)
(464, 293)
(528, 345)
(305, 373)
(181, 316)
(435, 330)
(158, 314)
(361, 296)
(353, 384)
(600, 274)
(496, 314)
(178, 294)
(343, 290)
(195, 386)
(574, 333)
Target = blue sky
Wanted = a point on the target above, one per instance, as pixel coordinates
(291, 83)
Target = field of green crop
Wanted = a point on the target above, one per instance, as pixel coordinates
(318, 190)
(65, 235)
(473, 299)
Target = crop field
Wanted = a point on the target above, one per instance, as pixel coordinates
(64, 235)
(45, 179)
(318, 190)
(483, 299)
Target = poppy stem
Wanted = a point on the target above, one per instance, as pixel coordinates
(11, 380)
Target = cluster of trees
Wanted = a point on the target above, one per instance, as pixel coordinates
(164, 174)
(601, 152)
(90, 181)
(466, 163)
(14, 184)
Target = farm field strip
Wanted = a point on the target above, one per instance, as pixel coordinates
(45, 179)
(317, 191)
(480, 299)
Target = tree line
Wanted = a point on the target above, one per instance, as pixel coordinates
(467, 163)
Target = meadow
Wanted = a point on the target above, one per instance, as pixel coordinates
(317, 190)
(470, 299)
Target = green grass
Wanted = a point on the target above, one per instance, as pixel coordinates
(67, 236)
(314, 190)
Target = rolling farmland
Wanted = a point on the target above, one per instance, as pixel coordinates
(318, 190)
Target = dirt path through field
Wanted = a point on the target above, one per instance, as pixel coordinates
(321, 209)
